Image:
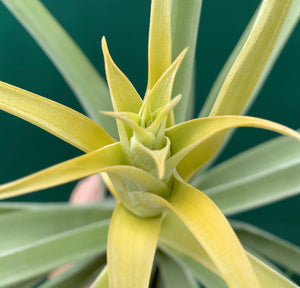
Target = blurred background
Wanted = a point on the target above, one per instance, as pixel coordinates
(25, 149)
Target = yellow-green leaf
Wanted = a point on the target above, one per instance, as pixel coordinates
(249, 65)
(159, 46)
(59, 120)
(94, 162)
(213, 232)
(171, 233)
(131, 248)
(123, 95)
(202, 139)
(160, 94)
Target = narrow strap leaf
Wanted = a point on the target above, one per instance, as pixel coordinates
(131, 249)
(248, 67)
(282, 252)
(43, 256)
(63, 122)
(102, 279)
(254, 177)
(202, 139)
(215, 89)
(74, 66)
(173, 273)
(160, 45)
(79, 167)
(185, 17)
(34, 225)
(213, 232)
(287, 28)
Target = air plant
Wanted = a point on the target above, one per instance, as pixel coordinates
(155, 168)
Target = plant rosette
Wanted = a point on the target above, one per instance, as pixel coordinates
(147, 170)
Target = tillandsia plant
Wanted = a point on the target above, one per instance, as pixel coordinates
(148, 167)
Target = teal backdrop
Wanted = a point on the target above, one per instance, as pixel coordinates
(25, 149)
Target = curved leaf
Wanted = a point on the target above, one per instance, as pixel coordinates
(211, 229)
(131, 267)
(202, 139)
(57, 119)
(79, 167)
(170, 236)
(74, 66)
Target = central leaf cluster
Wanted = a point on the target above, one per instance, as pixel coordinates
(142, 126)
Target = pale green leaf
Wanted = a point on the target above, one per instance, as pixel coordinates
(173, 273)
(78, 276)
(27, 226)
(254, 177)
(185, 16)
(286, 30)
(205, 276)
(244, 74)
(131, 248)
(159, 46)
(91, 163)
(282, 252)
(202, 139)
(74, 66)
(59, 120)
(50, 252)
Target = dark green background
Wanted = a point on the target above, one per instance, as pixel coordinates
(25, 148)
